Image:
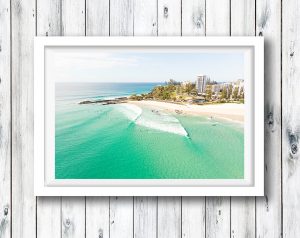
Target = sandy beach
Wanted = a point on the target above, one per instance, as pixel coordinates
(228, 111)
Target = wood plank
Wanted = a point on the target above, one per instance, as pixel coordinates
(268, 208)
(145, 18)
(73, 17)
(193, 17)
(48, 208)
(145, 208)
(49, 22)
(73, 208)
(23, 200)
(218, 18)
(121, 217)
(73, 217)
(97, 17)
(97, 217)
(48, 217)
(97, 208)
(145, 217)
(121, 17)
(193, 217)
(5, 120)
(217, 217)
(169, 217)
(242, 208)
(193, 208)
(169, 208)
(218, 208)
(242, 18)
(169, 17)
(290, 117)
(121, 208)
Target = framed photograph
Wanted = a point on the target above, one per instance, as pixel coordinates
(148, 116)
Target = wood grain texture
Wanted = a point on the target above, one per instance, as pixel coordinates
(218, 208)
(48, 217)
(97, 208)
(193, 217)
(73, 17)
(97, 17)
(268, 208)
(121, 217)
(145, 208)
(73, 209)
(242, 208)
(145, 17)
(169, 17)
(5, 120)
(23, 200)
(48, 23)
(97, 217)
(217, 217)
(121, 17)
(73, 217)
(169, 208)
(121, 208)
(193, 17)
(169, 217)
(193, 208)
(218, 17)
(290, 117)
(145, 217)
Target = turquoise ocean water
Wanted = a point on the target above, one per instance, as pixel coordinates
(124, 141)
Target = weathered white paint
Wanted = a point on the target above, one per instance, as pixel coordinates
(5, 120)
(268, 208)
(193, 17)
(97, 17)
(72, 217)
(193, 217)
(169, 17)
(169, 217)
(290, 118)
(145, 17)
(217, 208)
(193, 208)
(121, 217)
(128, 17)
(73, 209)
(121, 17)
(97, 208)
(48, 23)
(23, 18)
(145, 217)
(145, 208)
(97, 217)
(242, 208)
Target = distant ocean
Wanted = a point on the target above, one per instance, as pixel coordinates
(124, 141)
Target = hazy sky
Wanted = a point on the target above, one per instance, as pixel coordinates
(92, 64)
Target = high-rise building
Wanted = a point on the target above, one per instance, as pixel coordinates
(201, 83)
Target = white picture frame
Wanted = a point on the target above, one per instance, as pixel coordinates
(45, 183)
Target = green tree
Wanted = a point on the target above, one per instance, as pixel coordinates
(208, 93)
(235, 93)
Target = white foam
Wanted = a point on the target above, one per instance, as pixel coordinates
(155, 120)
(131, 111)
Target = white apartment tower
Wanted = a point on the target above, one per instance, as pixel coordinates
(201, 83)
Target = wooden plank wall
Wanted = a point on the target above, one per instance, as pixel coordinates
(274, 215)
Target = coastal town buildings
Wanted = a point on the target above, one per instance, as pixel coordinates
(201, 83)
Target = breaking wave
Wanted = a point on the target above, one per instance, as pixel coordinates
(153, 119)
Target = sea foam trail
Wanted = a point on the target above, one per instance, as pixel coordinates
(153, 119)
(132, 112)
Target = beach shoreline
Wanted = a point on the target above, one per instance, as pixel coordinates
(227, 111)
